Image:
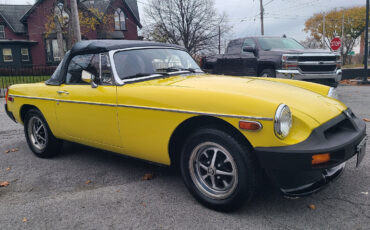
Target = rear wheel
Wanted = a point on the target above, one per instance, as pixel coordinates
(268, 73)
(38, 135)
(218, 170)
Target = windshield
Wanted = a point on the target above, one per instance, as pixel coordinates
(144, 62)
(279, 43)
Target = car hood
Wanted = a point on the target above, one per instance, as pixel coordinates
(300, 51)
(243, 96)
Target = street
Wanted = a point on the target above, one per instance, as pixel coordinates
(86, 188)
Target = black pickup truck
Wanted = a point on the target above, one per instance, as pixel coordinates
(275, 57)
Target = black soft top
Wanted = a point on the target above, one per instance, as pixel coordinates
(97, 46)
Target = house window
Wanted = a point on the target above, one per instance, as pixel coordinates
(2, 32)
(119, 20)
(25, 54)
(52, 50)
(7, 55)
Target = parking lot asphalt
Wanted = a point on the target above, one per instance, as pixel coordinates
(85, 188)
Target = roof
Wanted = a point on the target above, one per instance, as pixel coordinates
(101, 5)
(95, 46)
(12, 15)
(132, 6)
(18, 41)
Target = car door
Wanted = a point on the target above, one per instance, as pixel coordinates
(87, 112)
(249, 59)
(231, 63)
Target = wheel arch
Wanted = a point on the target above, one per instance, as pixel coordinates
(24, 109)
(265, 65)
(188, 126)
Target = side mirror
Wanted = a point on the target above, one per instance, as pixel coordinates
(88, 78)
(249, 49)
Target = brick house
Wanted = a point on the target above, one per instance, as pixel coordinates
(22, 30)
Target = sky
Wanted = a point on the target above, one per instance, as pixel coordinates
(281, 16)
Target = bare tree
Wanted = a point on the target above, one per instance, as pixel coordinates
(194, 24)
(312, 43)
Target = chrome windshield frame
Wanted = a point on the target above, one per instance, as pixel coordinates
(121, 82)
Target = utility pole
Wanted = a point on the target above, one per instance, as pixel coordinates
(364, 80)
(261, 13)
(219, 39)
(342, 39)
(323, 30)
(75, 21)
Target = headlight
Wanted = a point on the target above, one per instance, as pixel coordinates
(283, 121)
(333, 93)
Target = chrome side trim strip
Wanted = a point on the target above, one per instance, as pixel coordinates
(151, 108)
(194, 112)
(86, 102)
(39, 98)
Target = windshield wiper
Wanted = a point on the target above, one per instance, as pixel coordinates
(140, 75)
(170, 69)
(191, 70)
(173, 69)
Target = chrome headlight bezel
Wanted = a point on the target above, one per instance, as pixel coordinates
(332, 93)
(283, 121)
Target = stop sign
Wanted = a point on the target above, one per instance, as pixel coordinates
(335, 43)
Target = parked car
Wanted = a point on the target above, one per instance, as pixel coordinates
(276, 57)
(151, 101)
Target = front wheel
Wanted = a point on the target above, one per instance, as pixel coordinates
(219, 171)
(268, 73)
(38, 135)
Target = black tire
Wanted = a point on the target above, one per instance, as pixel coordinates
(242, 188)
(268, 73)
(42, 143)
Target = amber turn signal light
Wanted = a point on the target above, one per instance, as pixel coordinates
(320, 158)
(250, 125)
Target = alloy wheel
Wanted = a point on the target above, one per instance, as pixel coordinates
(213, 170)
(37, 133)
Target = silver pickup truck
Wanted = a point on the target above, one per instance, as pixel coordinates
(276, 57)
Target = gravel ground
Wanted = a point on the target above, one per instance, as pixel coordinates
(53, 193)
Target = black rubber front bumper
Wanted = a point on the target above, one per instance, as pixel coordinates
(290, 167)
(10, 114)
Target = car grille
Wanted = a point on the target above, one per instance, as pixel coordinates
(317, 68)
(316, 58)
(343, 125)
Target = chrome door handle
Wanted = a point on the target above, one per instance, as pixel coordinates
(62, 92)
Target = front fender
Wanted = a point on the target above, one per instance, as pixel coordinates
(317, 88)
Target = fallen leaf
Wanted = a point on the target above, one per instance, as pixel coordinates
(14, 150)
(8, 169)
(143, 203)
(312, 206)
(147, 176)
(365, 193)
(4, 183)
(366, 119)
(88, 182)
(7, 151)
(24, 219)
(118, 190)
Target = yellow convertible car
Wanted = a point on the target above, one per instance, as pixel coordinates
(152, 101)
